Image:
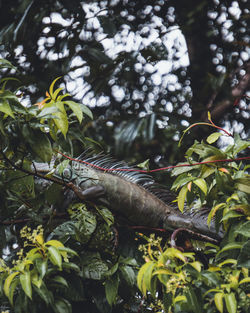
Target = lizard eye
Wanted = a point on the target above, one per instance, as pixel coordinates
(76, 165)
(67, 173)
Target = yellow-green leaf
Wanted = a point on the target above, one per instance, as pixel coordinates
(54, 243)
(213, 211)
(5, 108)
(8, 282)
(52, 86)
(54, 96)
(26, 283)
(61, 122)
(182, 197)
(196, 265)
(231, 303)
(175, 253)
(245, 280)
(213, 137)
(180, 298)
(218, 300)
(201, 183)
(55, 256)
(76, 108)
(146, 268)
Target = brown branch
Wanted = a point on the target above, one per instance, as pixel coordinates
(193, 234)
(35, 174)
(237, 92)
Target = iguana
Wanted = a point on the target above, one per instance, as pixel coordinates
(132, 194)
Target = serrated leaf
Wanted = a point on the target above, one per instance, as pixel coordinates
(201, 183)
(218, 300)
(26, 283)
(213, 137)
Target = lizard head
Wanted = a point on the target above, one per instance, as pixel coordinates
(85, 175)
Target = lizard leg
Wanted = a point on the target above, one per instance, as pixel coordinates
(96, 191)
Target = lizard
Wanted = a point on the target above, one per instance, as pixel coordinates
(132, 194)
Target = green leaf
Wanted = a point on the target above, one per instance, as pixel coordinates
(218, 300)
(52, 86)
(244, 256)
(93, 266)
(231, 214)
(60, 280)
(231, 303)
(111, 289)
(76, 108)
(213, 137)
(229, 246)
(62, 306)
(144, 165)
(201, 183)
(41, 266)
(87, 111)
(61, 119)
(144, 276)
(71, 266)
(245, 187)
(5, 108)
(194, 304)
(55, 256)
(245, 280)
(41, 146)
(6, 64)
(128, 274)
(48, 111)
(56, 92)
(26, 283)
(175, 253)
(7, 284)
(182, 197)
(106, 215)
(44, 294)
(54, 243)
(244, 229)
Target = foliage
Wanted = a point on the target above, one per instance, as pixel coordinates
(148, 68)
(80, 257)
(222, 283)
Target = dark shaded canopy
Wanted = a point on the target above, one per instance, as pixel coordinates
(147, 68)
